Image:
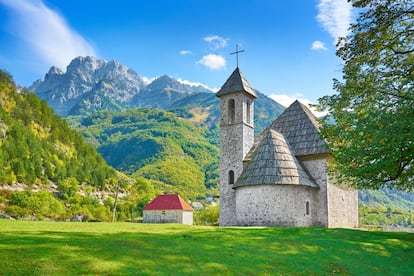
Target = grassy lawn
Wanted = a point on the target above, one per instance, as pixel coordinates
(59, 248)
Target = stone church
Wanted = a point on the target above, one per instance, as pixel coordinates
(280, 178)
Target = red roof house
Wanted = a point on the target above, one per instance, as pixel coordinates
(170, 208)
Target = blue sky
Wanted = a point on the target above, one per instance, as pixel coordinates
(289, 45)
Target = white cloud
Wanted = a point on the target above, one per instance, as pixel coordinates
(46, 32)
(194, 84)
(147, 80)
(287, 100)
(213, 62)
(318, 45)
(216, 42)
(185, 52)
(335, 17)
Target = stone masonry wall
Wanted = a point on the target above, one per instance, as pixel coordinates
(316, 166)
(236, 139)
(274, 205)
(342, 206)
(337, 204)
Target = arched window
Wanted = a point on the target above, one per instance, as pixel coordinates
(248, 112)
(231, 177)
(232, 111)
(307, 207)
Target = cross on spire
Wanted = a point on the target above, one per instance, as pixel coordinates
(237, 54)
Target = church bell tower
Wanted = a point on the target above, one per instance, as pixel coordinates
(236, 138)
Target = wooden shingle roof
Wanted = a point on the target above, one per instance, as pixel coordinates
(301, 129)
(271, 162)
(237, 82)
(168, 202)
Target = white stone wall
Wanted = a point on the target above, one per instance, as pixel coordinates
(342, 206)
(275, 205)
(316, 166)
(337, 204)
(236, 139)
(187, 217)
(168, 216)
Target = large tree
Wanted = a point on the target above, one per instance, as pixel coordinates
(372, 137)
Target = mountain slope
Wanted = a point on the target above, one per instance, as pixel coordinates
(204, 109)
(163, 91)
(36, 146)
(156, 145)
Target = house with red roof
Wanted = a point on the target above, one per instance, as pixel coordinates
(168, 208)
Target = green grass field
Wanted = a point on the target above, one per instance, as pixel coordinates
(59, 248)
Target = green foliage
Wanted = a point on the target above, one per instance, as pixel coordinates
(37, 147)
(207, 216)
(372, 138)
(68, 187)
(42, 204)
(44, 248)
(386, 207)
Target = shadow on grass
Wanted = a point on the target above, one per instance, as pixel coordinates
(196, 250)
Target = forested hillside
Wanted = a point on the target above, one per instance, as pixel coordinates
(38, 146)
(38, 150)
(156, 145)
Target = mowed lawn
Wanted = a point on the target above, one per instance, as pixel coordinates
(62, 248)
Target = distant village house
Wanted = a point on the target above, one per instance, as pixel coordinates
(169, 208)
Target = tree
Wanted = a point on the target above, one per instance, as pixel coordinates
(372, 137)
(68, 187)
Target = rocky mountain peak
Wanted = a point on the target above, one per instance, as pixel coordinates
(91, 84)
(55, 71)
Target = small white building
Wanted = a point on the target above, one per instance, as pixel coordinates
(170, 208)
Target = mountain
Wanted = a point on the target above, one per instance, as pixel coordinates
(165, 90)
(156, 145)
(88, 84)
(91, 84)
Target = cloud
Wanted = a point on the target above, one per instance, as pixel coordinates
(318, 45)
(216, 42)
(185, 52)
(335, 17)
(194, 84)
(213, 62)
(46, 32)
(148, 80)
(287, 100)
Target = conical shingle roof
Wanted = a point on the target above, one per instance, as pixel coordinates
(237, 82)
(271, 162)
(301, 129)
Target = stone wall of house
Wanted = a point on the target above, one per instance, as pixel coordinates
(275, 205)
(342, 206)
(236, 139)
(187, 217)
(168, 216)
(316, 165)
(337, 204)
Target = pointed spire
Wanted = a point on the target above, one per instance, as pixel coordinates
(301, 129)
(237, 82)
